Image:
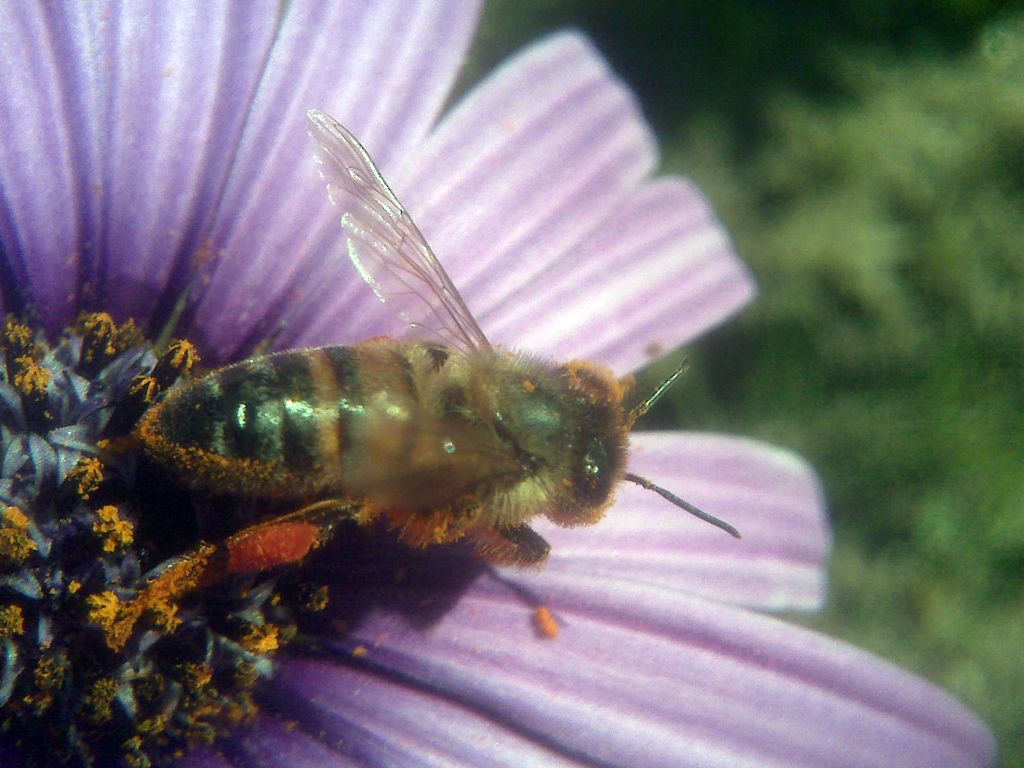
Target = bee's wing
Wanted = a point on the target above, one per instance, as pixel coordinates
(385, 244)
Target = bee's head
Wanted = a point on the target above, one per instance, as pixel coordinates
(570, 433)
(568, 429)
(595, 443)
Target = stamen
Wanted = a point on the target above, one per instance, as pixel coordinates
(111, 649)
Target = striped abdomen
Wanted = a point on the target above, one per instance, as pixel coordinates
(271, 426)
(382, 421)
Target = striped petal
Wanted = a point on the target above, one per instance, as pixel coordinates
(770, 495)
(639, 676)
(120, 123)
(533, 187)
(385, 70)
(657, 273)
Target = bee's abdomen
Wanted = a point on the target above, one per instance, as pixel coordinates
(272, 426)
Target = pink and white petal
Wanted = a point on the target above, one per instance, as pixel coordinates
(527, 165)
(48, 167)
(153, 103)
(384, 69)
(772, 496)
(645, 676)
(373, 720)
(657, 273)
(519, 173)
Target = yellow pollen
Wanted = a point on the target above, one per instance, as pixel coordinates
(262, 639)
(31, 379)
(115, 532)
(88, 473)
(12, 621)
(103, 608)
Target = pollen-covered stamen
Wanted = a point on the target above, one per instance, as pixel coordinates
(98, 336)
(177, 361)
(142, 393)
(16, 545)
(103, 340)
(116, 532)
(82, 481)
(114, 645)
(30, 381)
(28, 378)
(16, 341)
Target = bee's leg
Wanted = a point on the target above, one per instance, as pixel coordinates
(530, 547)
(512, 545)
(283, 540)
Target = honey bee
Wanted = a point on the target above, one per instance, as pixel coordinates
(446, 436)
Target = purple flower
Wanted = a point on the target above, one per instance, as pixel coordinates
(154, 151)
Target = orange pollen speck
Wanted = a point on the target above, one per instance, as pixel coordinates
(546, 623)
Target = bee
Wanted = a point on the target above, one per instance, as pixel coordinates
(444, 435)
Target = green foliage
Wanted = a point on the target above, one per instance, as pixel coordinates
(886, 227)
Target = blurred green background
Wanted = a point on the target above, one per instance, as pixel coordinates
(868, 158)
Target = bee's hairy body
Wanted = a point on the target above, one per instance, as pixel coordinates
(446, 439)
(445, 442)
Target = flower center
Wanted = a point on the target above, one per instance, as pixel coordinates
(113, 645)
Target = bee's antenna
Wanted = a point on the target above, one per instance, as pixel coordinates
(645, 406)
(643, 482)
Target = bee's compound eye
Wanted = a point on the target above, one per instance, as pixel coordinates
(595, 465)
(588, 487)
(592, 484)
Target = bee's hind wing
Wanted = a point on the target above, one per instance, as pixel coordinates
(385, 244)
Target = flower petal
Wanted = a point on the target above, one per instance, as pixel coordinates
(530, 161)
(531, 188)
(642, 675)
(48, 173)
(658, 272)
(119, 188)
(203, 757)
(384, 722)
(384, 69)
(770, 495)
(181, 80)
(270, 743)
(520, 172)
